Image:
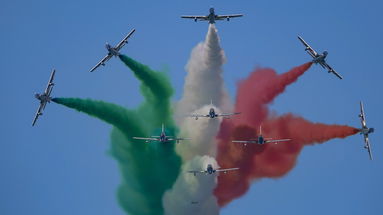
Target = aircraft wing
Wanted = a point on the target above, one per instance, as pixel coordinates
(50, 84)
(125, 40)
(228, 114)
(226, 170)
(362, 115)
(102, 62)
(308, 48)
(228, 16)
(178, 139)
(195, 172)
(38, 113)
(277, 141)
(245, 141)
(197, 115)
(368, 146)
(328, 67)
(146, 138)
(204, 18)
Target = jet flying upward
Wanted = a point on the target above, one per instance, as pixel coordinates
(319, 58)
(260, 140)
(212, 114)
(212, 17)
(210, 170)
(163, 138)
(45, 97)
(365, 130)
(113, 51)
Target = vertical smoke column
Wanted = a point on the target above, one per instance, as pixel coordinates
(203, 83)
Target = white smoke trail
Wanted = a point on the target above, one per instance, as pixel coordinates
(202, 133)
(203, 83)
(188, 195)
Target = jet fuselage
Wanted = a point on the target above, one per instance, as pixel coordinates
(211, 16)
(210, 169)
(261, 140)
(163, 137)
(212, 113)
(43, 97)
(320, 58)
(111, 50)
(366, 131)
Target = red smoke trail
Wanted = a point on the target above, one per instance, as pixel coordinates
(260, 88)
(270, 160)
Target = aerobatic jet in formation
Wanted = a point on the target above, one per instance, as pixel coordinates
(113, 51)
(45, 97)
(212, 114)
(260, 140)
(210, 170)
(319, 58)
(163, 138)
(365, 130)
(212, 17)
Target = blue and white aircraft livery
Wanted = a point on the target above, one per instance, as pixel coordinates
(45, 97)
(212, 114)
(212, 17)
(210, 170)
(319, 58)
(365, 130)
(162, 138)
(113, 51)
(260, 140)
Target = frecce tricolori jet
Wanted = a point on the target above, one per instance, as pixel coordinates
(365, 131)
(163, 138)
(212, 17)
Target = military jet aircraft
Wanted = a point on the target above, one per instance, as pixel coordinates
(212, 114)
(212, 17)
(45, 97)
(319, 58)
(260, 140)
(365, 130)
(162, 138)
(210, 170)
(113, 51)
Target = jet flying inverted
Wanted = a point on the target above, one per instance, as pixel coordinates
(210, 170)
(45, 97)
(162, 138)
(212, 114)
(212, 17)
(113, 51)
(260, 140)
(319, 58)
(365, 130)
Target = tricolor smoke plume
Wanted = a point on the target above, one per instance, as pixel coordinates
(147, 169)
(269, 160)
(203, 84)
(152, 179)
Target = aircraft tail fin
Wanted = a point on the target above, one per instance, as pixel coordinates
(163, 127)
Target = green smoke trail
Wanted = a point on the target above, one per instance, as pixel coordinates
(156, 88)
(147, 169)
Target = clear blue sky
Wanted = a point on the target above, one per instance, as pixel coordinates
(62, 165)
